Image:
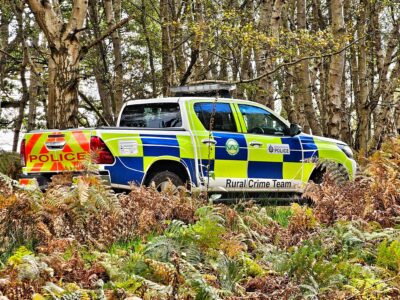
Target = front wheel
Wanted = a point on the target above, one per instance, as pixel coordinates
(166, 181)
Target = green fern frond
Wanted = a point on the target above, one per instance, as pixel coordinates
(161, 248)
(16, 258)
(32, 268)
(175, 228)
(388, 255)
(193, 254)
(210, 213)
(195, 279)
(231, 271)
(162, 289)
(77, 295)
(54, 290)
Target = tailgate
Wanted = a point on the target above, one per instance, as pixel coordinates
(56, 151)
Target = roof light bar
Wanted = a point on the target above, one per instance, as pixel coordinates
(222, 89)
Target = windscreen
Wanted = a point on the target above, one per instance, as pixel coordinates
(152, 115)
(261, 121)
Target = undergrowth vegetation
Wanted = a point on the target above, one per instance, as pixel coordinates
(373, 197)
(10, 164)
(80, 240)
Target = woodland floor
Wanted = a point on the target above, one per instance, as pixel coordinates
(82, 241)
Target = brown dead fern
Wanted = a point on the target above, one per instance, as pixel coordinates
(373, 196)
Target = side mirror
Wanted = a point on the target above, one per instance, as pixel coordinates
(295, 129)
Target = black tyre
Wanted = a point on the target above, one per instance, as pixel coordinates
(318, 177)
(166, 180)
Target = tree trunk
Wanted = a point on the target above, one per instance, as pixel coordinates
(100, 66)
(149, 49)
(165, 48)
(269, 23)
(388, 104)
(35, 87)
(246, 67)
(287, 81)
(64, 44)
(223, 73)
(63, 85)
(23, 68)
(336, 72)
(345, 133)
(5, 20)
(116, 41)
(298, 99)
(317, 84)
(304, 76)
(287, 101)
(22, 104)
(361, 95)
(318, 18)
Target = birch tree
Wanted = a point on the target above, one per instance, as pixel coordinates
(63, 37)
(269, 23)
(303, 76)
(336, 71)
(112, 11)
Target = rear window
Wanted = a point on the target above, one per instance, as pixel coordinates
(152, 115)
(221, 113)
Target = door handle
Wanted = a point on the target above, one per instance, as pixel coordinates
(256, 144)
(209, 141)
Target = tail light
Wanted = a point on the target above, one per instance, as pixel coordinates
(103, 155)
(23, 153)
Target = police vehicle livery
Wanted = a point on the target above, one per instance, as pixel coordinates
(216, 144)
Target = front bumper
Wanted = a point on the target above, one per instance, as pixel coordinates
(354, 168)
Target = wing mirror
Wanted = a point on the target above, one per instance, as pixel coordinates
(295, 129)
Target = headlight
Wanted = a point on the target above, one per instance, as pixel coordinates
(346, 149)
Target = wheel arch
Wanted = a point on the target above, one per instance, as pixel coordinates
(321, 168)
(167, 164)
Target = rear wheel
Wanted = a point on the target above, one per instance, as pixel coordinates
(166, 181)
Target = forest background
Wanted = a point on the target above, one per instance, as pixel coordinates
(331, 66)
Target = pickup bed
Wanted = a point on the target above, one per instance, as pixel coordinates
(215, 144)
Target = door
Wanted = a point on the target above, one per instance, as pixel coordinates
(221, 147)
(275, 159)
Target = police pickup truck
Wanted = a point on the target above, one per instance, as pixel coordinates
(211, 143)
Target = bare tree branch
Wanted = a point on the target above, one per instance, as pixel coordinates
(133, 5)
(299, 60)
(88, 102)
(46, 18)
(182, 42)
(77, 18)
(107, 33)
(9, 55)
(193, 59)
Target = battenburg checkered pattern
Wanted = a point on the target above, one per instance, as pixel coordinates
(236, 155)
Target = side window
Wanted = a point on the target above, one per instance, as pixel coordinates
(261, 121)
(152, 115)
(223, 117)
